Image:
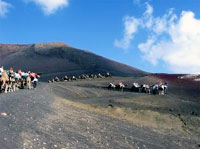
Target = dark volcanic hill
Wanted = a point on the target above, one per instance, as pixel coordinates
(59, 59)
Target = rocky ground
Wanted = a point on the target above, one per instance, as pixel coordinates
(84, 114)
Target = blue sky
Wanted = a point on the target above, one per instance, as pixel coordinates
(155, 36)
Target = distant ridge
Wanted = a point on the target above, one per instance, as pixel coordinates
(60, 59)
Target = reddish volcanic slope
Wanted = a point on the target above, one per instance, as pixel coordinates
(59, 58)
(187, 88)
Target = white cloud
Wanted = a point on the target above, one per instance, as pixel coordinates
(172, 40)
(147, 16)
(4, 8)
(131, 25)
(149, 9)
(181, 50)
(50, 6)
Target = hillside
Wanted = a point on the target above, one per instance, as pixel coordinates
(59, 59)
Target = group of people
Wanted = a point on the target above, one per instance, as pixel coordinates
(158, 88)
(11, 81)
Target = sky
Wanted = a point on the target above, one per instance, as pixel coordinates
(160, 36)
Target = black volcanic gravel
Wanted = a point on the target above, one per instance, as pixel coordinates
(36, 120)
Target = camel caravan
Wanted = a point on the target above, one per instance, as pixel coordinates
(11, 81)
(81, 77)
(158, 88)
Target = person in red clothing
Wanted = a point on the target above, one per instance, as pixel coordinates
(20, 72)
(32, 75)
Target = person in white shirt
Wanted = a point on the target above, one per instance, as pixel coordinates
(17, 76)
(35, 82)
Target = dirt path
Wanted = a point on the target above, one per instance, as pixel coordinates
(38, 119)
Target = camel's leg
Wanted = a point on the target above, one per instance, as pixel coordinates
(29, 85)
(6, 89)
(14, 87)
(165, 90)
(9, 88)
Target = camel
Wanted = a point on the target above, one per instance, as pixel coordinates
(62, 79)
(83, 77)
(99, 76)
(145, 88)
(135, 87)
(159, 89)
(28, 82)
(108, 75)
(73, 78)
(11, 81)
(95, 76)
(12, 85)
(111, 86)
(4, 79)
(162, 89)
(57, 79)
(87, 76)
(66, 78)
(91, 76)
(120, 86)
(154, 89)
